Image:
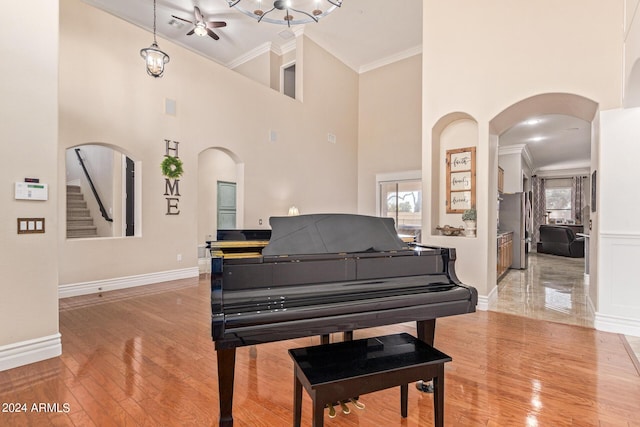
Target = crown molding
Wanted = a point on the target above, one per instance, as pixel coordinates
(564, 170)
(517, 149)
(285, 48)
(416, 50)
(254, 53)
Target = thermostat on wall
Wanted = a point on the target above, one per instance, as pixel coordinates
(31, 191)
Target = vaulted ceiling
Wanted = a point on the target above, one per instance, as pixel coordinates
(363, 34)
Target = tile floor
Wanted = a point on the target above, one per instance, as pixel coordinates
(552, 288)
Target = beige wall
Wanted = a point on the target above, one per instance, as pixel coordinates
(29, 131)
(258, 68)
(632, 53)
(482, 61)
(106, 96)
(389, 125)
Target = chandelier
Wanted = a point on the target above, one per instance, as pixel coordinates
(286, 12)
(152, 55)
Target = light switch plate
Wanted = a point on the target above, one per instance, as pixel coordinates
(30, 225)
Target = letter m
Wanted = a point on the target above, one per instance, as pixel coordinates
(171, 188)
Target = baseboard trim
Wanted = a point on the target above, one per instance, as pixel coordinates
(591, 308)
(30, 351)
(617, 324)
(85, 288)
(483, 302)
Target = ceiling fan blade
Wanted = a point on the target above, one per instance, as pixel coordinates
(216, 24)
(181, 19)
(191, 32)
(212, 34)
(198, 14)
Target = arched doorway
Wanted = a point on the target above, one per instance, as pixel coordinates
(557, 117)
(220, 175)
(103, 187)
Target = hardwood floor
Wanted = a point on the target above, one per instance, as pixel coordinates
(145, 357)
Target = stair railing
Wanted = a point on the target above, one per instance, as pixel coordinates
(103, 211)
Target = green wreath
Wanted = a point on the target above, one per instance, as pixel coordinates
(171, 167)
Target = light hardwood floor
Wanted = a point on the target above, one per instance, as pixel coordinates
(145, 357)
(552, 288)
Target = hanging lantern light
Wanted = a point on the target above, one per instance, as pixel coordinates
(152, 55)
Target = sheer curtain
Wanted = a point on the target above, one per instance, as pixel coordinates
(577, 192)
(539, 207)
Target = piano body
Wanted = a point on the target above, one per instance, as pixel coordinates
(325, 273)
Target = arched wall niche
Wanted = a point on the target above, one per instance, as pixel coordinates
(217, 164)
(454, 130)
(632, 88)
(114, 175)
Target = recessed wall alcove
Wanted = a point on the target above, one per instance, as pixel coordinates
(218, 166)
(453, 131)
(103, 189)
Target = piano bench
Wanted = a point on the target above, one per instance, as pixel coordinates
(335, 372)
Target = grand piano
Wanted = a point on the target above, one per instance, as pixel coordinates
(325, 273)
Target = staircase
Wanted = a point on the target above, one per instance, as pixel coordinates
(79, 220)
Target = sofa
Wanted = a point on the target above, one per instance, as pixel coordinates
(560, 240)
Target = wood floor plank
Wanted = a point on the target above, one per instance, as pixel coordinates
(146, 358)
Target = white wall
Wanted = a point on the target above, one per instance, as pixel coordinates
(619, 208)
(511, 164)
(29, 131)
(618, 234)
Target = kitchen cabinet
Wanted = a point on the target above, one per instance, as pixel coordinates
(505, 253)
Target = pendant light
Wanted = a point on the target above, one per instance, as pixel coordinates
(152, 55)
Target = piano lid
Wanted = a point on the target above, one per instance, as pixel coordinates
(332, 233)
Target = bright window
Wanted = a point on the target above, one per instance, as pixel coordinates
(558, 203)
(402, 201)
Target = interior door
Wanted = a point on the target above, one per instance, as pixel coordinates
(130, 198)
(226, 205)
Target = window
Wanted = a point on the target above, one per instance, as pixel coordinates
(402, 201)
(558, 199)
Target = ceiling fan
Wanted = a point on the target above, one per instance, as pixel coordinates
(202, 27)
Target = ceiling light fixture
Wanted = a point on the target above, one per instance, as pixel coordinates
(200, 29)
(152, 55)
(296, 12)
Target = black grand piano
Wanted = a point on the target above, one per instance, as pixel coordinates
(325, 273)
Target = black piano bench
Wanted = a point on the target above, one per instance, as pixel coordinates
(339, 371)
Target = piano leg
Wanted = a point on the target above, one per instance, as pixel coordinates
(426, 332)
(346, 336)
(226, 370)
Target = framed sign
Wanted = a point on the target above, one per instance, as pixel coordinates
(461, 179)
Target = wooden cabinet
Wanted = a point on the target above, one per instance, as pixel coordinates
(505, 253)
(500, 179)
